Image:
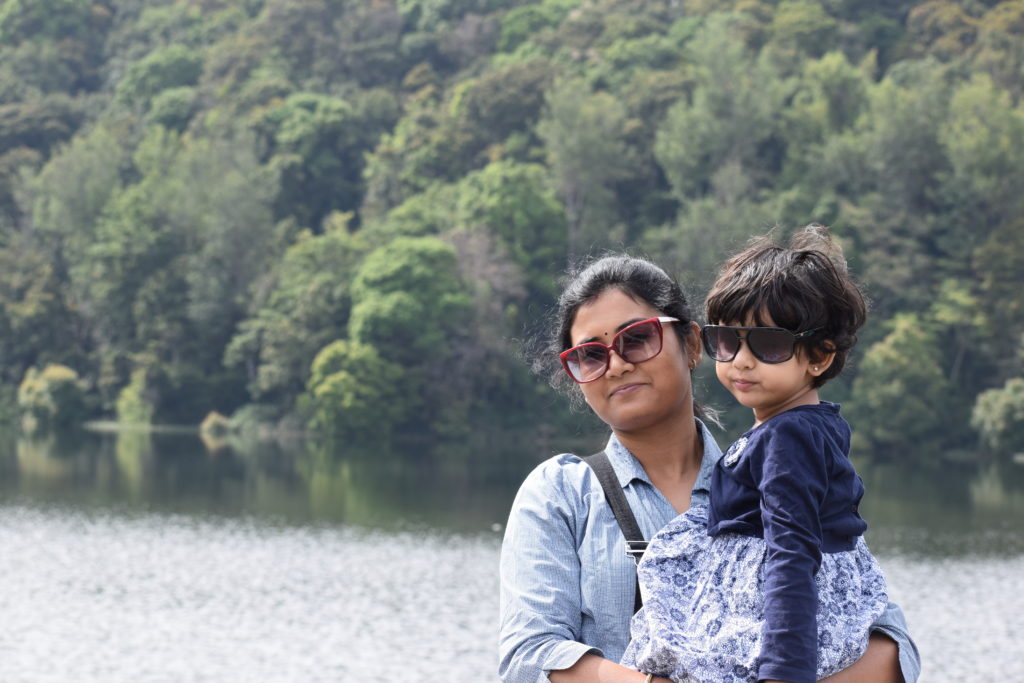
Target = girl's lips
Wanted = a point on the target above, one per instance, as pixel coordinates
(742, 384)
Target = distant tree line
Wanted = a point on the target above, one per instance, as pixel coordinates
(345, 215)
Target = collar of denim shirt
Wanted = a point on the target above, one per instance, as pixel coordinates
(627, 467)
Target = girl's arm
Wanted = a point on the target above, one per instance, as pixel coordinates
(891, 654)
(792, 479)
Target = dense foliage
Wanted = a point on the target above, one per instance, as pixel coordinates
(347, 213)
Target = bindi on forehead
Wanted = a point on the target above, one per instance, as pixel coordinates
(605, 315)
(613, 332)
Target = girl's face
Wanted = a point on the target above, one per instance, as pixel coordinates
(631, 397)
(770, 388)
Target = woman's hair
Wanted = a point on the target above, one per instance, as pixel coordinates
(636, 277)
(805, 286)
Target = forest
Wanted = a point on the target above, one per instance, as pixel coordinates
(350, 217)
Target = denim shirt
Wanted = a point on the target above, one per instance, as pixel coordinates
(567, 585)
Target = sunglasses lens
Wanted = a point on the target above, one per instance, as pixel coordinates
(586, 362)
(635, 344)
(639, 342)
(771, 345)
(721, 343)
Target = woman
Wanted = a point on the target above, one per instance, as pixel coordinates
(567, 586)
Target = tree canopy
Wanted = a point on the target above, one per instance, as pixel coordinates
(351, 215)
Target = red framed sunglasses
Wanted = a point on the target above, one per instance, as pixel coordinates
(635, 343)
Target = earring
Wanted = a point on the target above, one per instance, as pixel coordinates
(692, 364)
(815, 368)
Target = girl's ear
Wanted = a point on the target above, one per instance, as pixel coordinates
(822, 357)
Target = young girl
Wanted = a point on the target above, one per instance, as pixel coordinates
(779, 584)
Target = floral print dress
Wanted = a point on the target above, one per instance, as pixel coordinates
(718, 602)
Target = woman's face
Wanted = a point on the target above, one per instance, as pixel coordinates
(634, 397)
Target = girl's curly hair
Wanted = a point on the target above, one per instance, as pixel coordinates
(805, 286)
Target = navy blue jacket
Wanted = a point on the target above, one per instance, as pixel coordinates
(790, 481)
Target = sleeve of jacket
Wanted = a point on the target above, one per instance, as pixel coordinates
(794, 480)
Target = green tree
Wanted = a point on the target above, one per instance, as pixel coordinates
(999, 50)
(521, 23)
(803, 26)
(173, 108)
(721, 149)
(171, 262)
(886, 175)
(582, 133)
(984, 142)
(22, 20)
(356, 394)
(133, 406)
(52, 398)
(484, 119)
(70, 193)
(408, 299)
(502, 101)
(369, 39)
(410, 305)
(998, 417)
(197, 196)
(40, 124)
(956, 310)
(941, 28)
(899, 403)
(999, 264)
(510, 203)
(304, 307)
(54, 45)
(173, 66)
(37, 323)
(513, 202)
(317, 144)
(731, 118)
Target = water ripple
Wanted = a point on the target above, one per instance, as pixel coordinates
(157, 598)
(104, 597)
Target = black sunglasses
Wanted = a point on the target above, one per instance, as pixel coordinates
(768, 344)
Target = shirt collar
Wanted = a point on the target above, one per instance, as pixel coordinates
(627, 467)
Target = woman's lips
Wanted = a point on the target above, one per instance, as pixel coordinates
(626, 389)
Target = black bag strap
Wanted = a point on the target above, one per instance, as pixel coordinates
(635, 543)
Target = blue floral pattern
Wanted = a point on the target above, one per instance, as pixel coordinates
(703, 611)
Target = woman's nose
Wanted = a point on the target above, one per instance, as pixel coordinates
(617, 364)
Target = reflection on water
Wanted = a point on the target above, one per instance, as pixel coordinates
(945, 510)
(140, 556)
(137, 470)
(937, 510)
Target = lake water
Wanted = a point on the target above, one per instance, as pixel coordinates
(134, 557)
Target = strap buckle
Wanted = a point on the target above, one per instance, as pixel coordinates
(635, 549)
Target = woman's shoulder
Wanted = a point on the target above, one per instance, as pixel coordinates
(565, 472)
(561, 486)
